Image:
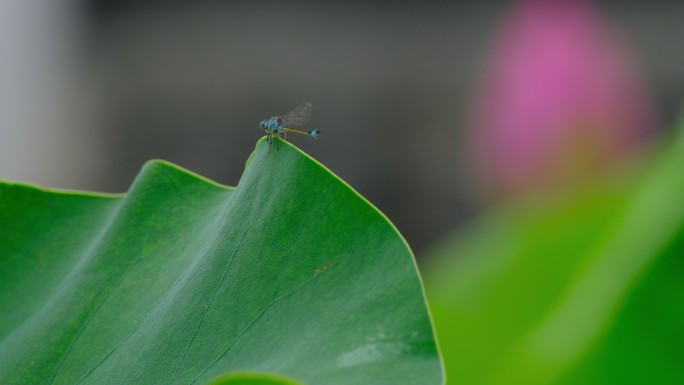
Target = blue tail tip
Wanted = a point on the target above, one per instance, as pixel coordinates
(315, 133)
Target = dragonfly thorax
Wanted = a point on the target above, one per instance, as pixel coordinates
(273, 124)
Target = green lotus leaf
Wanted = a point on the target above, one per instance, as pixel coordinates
(181, 279)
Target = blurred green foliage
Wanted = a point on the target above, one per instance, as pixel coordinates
(582, 290)
(251, 379)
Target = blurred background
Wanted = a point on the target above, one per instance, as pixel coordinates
(92, 89)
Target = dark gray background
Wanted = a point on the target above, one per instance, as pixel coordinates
(93, 89)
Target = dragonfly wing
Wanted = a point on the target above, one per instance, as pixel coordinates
(298, 117)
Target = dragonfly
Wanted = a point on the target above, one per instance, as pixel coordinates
(293, 121)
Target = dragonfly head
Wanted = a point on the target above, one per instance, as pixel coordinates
(263, 124)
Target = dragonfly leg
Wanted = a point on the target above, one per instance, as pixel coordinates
(282, 135)
(269, 140)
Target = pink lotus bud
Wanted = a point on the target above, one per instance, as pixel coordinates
(560, 100)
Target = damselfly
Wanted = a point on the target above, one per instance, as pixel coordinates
(293, 121)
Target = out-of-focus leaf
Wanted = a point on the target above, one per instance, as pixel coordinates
(251, 379)
(181, 279)
(587, 291)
